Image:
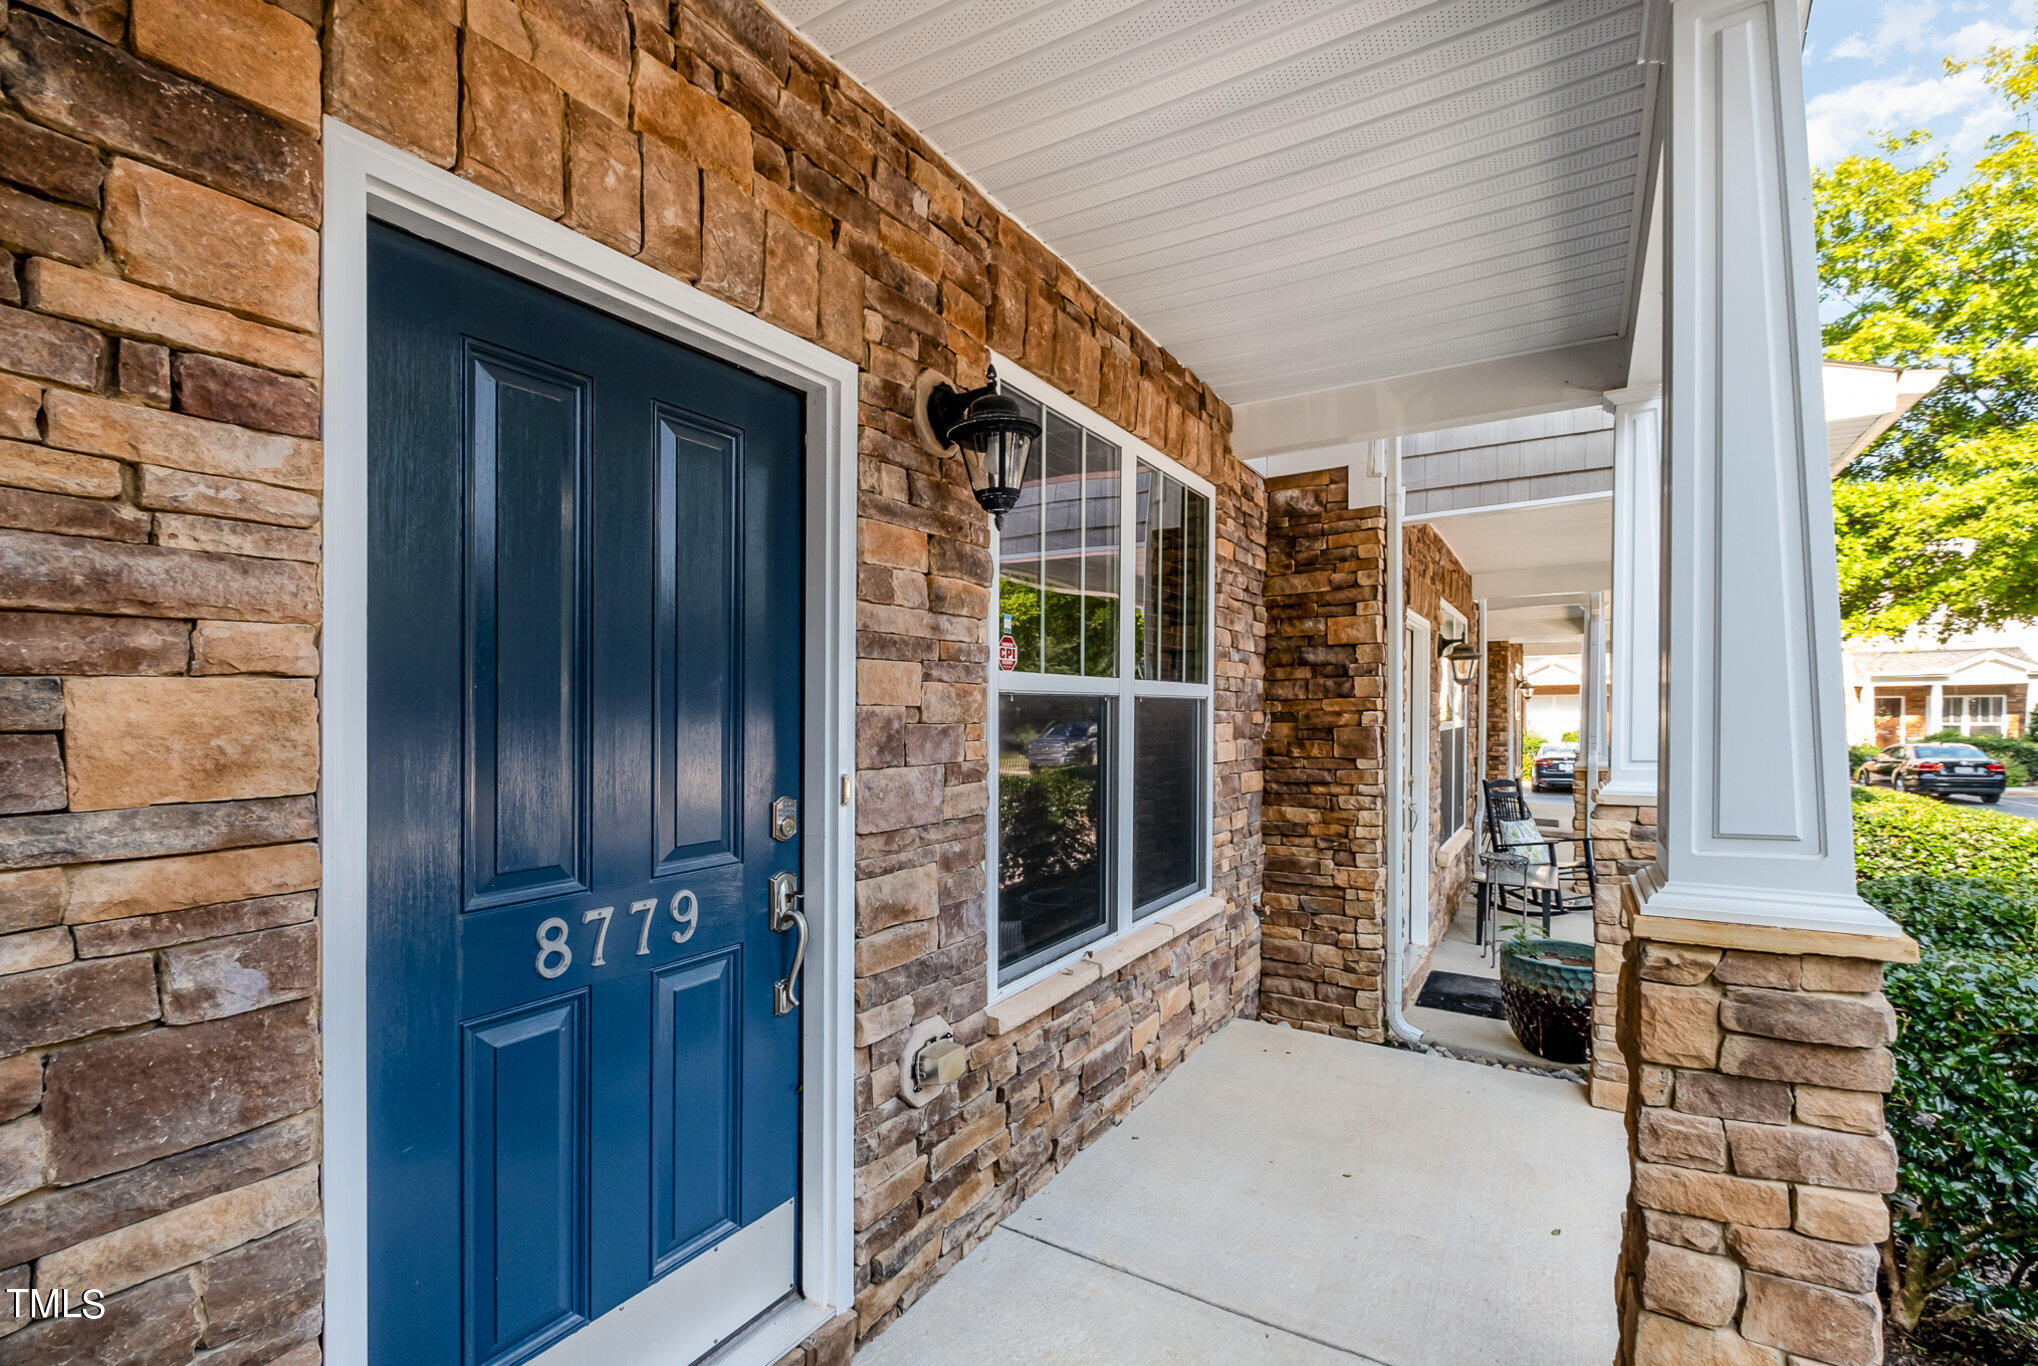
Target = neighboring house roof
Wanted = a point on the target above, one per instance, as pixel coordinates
(1928, 664)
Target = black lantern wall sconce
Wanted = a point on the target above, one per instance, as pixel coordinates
(996, 437)
(1462, 656)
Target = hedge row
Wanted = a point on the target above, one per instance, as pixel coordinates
(1895, 834)
(1964, 1111)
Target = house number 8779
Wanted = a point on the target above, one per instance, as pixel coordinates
(555, 954)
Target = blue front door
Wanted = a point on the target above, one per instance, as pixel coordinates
(583, 701)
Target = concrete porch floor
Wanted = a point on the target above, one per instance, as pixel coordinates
(1290, 1198)
(1478, 1036)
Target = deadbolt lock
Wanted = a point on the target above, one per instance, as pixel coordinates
(785, 818)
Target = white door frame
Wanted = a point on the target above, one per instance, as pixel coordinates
(1414, 739)
(365, 179)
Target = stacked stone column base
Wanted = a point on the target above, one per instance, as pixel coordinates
(1623, 843)
(1761, 1163)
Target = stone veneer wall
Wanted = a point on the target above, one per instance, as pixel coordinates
(1761, 1163)
(1504, 709)
(159, 548)
(1321, 943)
(1322, 938)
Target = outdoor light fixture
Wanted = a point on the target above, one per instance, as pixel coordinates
(1462, 656)
(995, 435)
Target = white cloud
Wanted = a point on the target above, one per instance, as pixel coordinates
(1903, 28)
(1965, 44)
(1848, 120)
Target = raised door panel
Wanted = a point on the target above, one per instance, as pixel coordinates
(525, 1171)
(528, 438)
(699, 773)
(696, 1063)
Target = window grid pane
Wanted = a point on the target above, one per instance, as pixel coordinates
(1100, 556)
(1054, 825)
(1195, 594)
(1062, 547)
(1171, 580)
(1167, 791)
(1019, 562)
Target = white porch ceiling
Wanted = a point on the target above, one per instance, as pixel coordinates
(1550, 626)
(1527, 538)
(1292, 195)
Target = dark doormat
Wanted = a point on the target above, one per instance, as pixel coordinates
(1462, 994)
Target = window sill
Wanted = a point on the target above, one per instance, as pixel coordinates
(1451, 847)
(1021, 1007)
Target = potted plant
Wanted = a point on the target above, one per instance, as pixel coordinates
(1546, 989)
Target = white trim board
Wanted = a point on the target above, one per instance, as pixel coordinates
(1526, 504)
(367, 179)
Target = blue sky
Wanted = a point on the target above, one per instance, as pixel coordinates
(1875, 65)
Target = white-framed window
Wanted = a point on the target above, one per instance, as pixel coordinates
(1451, 732)
(1976, 715)
(1100, 731)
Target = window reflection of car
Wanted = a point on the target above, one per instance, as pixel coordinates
(1062, 744)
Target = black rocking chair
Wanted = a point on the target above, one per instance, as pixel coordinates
(1527, 869)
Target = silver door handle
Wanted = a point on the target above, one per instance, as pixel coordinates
(786, 915)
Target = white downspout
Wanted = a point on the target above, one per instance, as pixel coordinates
(1396, 919)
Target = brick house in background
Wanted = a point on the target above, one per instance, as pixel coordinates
(1899, 695)
(506, 749)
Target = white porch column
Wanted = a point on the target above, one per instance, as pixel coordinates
(1635, 706)
(1935, 709)
(1753, 806)
(1590, 702)
(1592, 688)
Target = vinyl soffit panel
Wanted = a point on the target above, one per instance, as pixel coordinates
(1292, 194)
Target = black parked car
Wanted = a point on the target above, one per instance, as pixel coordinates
(1936, 770)
(1554, 766)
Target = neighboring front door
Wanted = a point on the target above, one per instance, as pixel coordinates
(1889, 721)
(584, 698)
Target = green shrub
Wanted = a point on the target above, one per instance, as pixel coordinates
(1949, 913)
(2019, 757)
(1531, 745)
(1895, 833)
(1857, 755)
(1964, 1110)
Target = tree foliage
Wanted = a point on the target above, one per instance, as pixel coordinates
(1938, 521)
